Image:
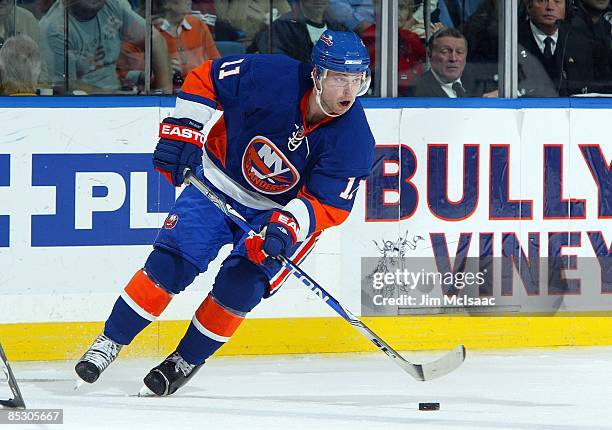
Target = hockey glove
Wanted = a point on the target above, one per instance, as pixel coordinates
(179, 147)
(275, 238)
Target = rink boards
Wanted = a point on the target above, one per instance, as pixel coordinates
(80, 205)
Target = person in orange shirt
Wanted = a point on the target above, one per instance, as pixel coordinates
(189, 40)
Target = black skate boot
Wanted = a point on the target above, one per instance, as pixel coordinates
(170, 375)
(97, 358)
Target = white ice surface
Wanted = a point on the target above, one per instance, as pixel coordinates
(533, 389)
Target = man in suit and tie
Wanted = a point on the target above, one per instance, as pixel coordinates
(566, 55)
(447, 56)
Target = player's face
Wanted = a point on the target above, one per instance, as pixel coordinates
(340, 90)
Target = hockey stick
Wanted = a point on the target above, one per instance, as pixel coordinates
(422, 372)
(17, 400)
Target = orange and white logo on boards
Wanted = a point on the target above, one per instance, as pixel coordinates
(266, 168)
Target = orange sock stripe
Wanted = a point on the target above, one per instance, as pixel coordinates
(217, 319)
(147, 294)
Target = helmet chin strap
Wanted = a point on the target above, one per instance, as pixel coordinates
(318, 92)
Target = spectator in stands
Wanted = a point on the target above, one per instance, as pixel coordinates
(220, 28)
(537, 78)
(481, 33)
(207, 12)
(416, 21)
(205, 7)
(97, 28)
(356, 15)
(566, 55)
(37, 7)
(20, 66)
(590, 20)
(454, 13)
(250, 16)
(411, 51)
(187, 36)
(295, 33)
(447, 56)
(17, 20)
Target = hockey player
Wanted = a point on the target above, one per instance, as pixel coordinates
(289, 152)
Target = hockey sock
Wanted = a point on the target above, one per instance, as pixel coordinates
(239, 287)
(141, 302)
(212, 325)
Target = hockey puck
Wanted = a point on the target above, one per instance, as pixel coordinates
(429, 406)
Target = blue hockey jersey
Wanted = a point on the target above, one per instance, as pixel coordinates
(262, 153)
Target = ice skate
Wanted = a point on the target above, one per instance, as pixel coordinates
(170, 375)
(97, 358)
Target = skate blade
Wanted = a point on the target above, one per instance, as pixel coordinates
(145, 392)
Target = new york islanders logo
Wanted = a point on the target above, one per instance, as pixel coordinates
(171, 221)
(327, 40)
(266, 168)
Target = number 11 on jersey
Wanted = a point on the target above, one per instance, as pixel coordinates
(223, 72)
(351, 189)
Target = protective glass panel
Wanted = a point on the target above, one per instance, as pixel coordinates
(362, 17)
(448, 48)
(294, 26)
(182, 38)
(21, 66)
(81, 42)
(565, 48)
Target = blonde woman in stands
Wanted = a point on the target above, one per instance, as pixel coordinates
(20, 66)
(17, 20)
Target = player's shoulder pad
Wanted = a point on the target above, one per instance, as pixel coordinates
(263, 67)
(271, 67)
(261, 77)
(232, 79)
